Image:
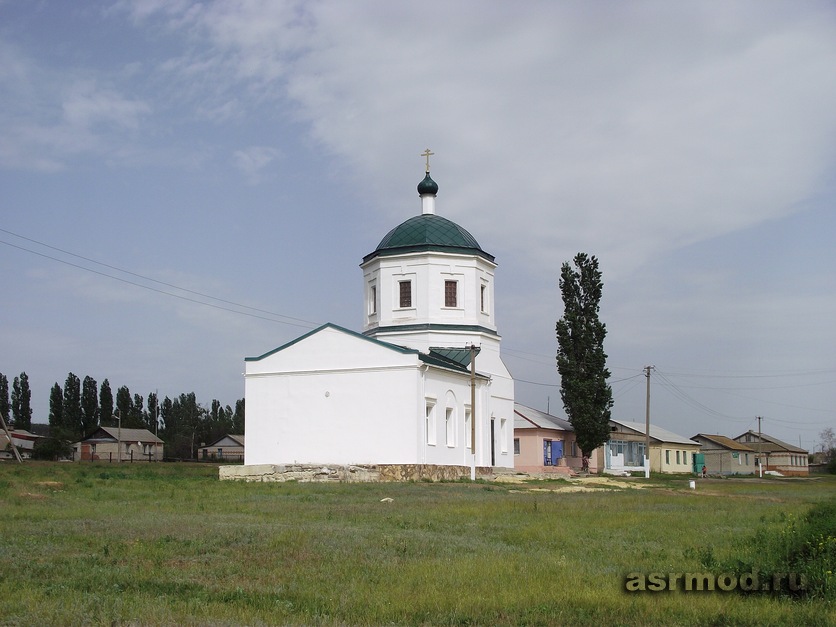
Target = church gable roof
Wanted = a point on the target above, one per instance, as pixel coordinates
(447, 358)
(339, 329)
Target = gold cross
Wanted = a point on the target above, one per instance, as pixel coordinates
(427, 154)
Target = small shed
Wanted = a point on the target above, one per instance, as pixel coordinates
(724, 456)
(22, 439)
(119, 444)
(229, 448)
(777, 455)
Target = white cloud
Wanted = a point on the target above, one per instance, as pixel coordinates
(625, 129)
(252, 161)
(86, 106)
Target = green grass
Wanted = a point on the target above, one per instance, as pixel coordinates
(170, 544)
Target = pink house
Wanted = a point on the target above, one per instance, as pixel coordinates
(546, 444)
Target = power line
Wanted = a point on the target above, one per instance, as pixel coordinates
(289, 320)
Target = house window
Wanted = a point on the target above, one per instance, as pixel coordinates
(747, 458)
(468, 428)
(483, 298)
(430, 423)
(451, 292)
(503, 435)
(450, 426)
(677, 457)
(516, 446)
(574, 448)
(372, 299)
(667, 456)
(405, 293)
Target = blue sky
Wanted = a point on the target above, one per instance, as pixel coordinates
(186, 184)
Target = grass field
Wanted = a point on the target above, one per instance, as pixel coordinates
(164, 544)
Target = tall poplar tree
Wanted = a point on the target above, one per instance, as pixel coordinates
(153, 413)
(106, 404)
(238, 417)
(72, 418)
(56, 407)
(581, 360)
(5, 407)
(124, 404)
(89, 405)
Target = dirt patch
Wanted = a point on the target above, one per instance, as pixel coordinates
(50, 485)
(32, 495)
(588, 484)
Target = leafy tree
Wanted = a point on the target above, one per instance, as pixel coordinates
(238, 417)
(89, 405)
(52, 448)
(56, 407)
(5, 406)
(166, 414)
(72, 416)
(184, 426)
(106, 403)
(21, 402)
(137, 418)
(828, 442)
(581, 360)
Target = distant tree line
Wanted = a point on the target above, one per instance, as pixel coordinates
(82, 406)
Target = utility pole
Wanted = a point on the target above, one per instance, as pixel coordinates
(472, 405)
(647, 370)
(760, 449)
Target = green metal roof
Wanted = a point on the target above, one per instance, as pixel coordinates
(428, 232)
(428, 186)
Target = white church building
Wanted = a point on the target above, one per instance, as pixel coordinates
(399, 392)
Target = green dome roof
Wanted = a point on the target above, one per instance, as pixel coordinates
(428, 232)
(428, 186)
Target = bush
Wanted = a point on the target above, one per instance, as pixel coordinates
(52, 449)
(805, 546)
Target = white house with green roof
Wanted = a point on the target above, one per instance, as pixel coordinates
(399, 392)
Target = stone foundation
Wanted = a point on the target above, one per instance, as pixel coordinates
(350, 474)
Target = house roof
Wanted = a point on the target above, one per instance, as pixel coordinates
(114, 434)
(239, 439)
(528, 418)
(777, 445)
(724, 442)
(657, 433)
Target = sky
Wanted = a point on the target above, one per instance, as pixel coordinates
(186, 184)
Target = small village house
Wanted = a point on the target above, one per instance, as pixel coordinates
(544, 443)
(22, 439)
(229, 448)
(776, 455)
(724, 456)
(669, 452)
(115, 444)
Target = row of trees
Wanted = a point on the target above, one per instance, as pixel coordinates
(81, 406)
